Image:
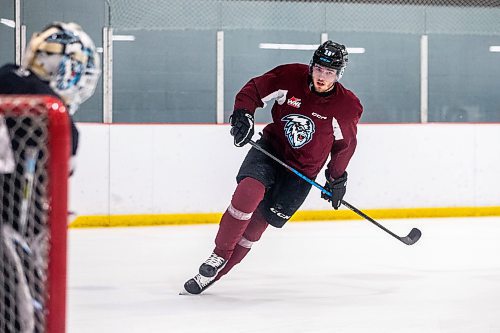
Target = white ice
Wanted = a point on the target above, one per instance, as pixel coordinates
(342, 277)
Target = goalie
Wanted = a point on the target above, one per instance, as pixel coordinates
(60, 61)
(313, 116)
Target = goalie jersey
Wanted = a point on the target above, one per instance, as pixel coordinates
(307, 127)
(15, 81)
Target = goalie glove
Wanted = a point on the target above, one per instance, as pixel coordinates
(337, 187)
(241, 127)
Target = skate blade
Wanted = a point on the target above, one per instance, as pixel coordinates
(184, 292)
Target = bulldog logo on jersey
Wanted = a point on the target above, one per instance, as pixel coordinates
(299, 129)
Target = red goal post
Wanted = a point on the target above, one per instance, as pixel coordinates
(34, 157)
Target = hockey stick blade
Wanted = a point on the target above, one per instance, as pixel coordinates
(412, 237)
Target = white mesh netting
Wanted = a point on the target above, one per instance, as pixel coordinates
(403, 16)
(25, 214)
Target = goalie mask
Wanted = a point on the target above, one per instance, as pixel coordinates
(65, 56)
(331, 55)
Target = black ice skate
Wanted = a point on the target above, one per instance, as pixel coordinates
(212, 265)
(197, 284)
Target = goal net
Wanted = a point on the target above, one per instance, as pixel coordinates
(34, 153)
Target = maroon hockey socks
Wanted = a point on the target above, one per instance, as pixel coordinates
(247, 196)
(239, 253)
(239, 228)
(253, 232)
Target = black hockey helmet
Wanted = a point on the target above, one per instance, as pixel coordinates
(331, 55)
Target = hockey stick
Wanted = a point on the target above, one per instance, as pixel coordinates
(30, 155)
(410, 239)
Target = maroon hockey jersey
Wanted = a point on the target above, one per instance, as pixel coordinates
(306, 127)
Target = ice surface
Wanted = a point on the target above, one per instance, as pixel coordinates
(307, 277)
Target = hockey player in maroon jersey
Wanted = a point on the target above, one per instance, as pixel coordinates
(314, 116)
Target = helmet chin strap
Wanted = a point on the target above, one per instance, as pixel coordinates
(329, 89)
(340, 73)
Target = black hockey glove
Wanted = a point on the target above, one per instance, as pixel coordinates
(337, 187)
(241, 127)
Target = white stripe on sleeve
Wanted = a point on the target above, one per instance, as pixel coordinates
(278, 95)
